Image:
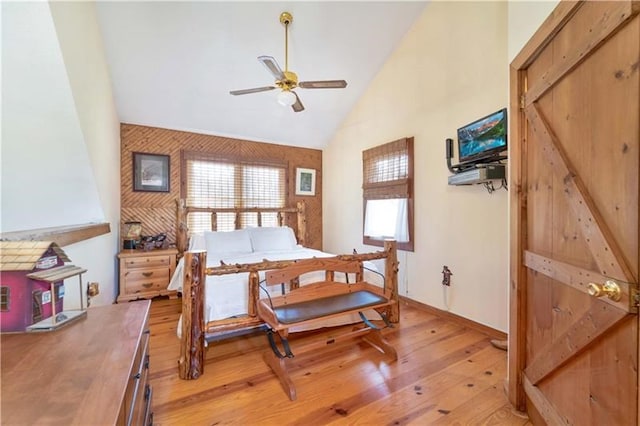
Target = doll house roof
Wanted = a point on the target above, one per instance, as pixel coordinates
(24, 255)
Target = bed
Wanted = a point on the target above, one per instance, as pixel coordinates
(221, 275)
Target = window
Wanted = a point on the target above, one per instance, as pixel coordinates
(4, 298)
(388, 194)
(219, 183)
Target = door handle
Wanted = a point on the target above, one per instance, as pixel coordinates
(610, 288)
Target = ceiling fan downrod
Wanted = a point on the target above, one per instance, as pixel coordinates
(285, 19)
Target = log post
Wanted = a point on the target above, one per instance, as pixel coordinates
(302, 223)
(391, 278)
(254, 293)
(360, 273)
(181, 228)
(329, 275)
(294, 283)
(191, 363)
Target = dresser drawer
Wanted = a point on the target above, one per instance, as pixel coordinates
(141, 389)
(135, 405)
(147, 262)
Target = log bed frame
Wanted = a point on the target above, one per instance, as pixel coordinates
(195, 331)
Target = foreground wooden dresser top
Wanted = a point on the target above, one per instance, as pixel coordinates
(75, 375)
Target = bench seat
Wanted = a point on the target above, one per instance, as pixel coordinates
(327, 306)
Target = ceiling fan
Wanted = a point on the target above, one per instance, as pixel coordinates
(288, 80)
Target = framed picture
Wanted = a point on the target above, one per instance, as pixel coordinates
(150, 172)
(305, 181)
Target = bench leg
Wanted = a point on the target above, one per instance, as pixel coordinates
(279, 367)
(375, 339)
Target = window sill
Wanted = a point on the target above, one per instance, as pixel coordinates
(408, 246)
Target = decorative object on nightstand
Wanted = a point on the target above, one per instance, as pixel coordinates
(132, 232)
(146, 274)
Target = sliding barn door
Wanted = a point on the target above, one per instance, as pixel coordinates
(573, 338)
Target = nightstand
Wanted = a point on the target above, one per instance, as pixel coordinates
(146, 274)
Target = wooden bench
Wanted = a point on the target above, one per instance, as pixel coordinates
(313, 303)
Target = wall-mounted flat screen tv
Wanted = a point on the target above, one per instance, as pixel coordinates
(484, 138)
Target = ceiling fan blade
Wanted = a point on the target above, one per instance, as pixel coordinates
(297, 107)
(272, 66)
(323, 84)
(255, 90)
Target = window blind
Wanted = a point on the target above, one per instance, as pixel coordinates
(387, 170)
(228, 183)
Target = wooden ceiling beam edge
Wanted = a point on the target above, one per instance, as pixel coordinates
(61, 235)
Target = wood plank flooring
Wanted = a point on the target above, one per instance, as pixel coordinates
(446, 374)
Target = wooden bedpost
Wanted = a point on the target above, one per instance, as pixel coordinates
(254, 293)
(391, 277)
(191, 363)
(214, 221)
(302, 223)
(181, 226)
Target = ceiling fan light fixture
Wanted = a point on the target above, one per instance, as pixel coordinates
(286, 98)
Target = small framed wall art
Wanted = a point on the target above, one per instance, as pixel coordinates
(305, 181)
(150, 172)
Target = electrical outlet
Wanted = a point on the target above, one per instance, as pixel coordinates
(93, 289)
(446, 275)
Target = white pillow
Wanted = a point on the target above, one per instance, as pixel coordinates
(230, 242)
(272, 238)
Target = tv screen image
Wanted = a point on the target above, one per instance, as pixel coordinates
(483, 138)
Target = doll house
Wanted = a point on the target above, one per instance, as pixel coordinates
(32, 287)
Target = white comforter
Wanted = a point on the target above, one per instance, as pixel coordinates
(227, 295)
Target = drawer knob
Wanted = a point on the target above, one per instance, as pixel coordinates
(147, 274)
(147, 285)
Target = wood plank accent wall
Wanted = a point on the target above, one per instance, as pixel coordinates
(157, 210)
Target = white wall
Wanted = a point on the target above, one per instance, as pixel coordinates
(44, 161)
(60, 132)
(85, 59)
(449, 70)
(524, 19)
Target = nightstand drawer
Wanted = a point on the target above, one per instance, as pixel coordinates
(147, 262)
(145, 286)
(136, 275)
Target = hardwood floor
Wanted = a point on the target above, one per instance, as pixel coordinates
(446, 374)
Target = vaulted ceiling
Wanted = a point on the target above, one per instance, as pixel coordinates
(173, 64)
